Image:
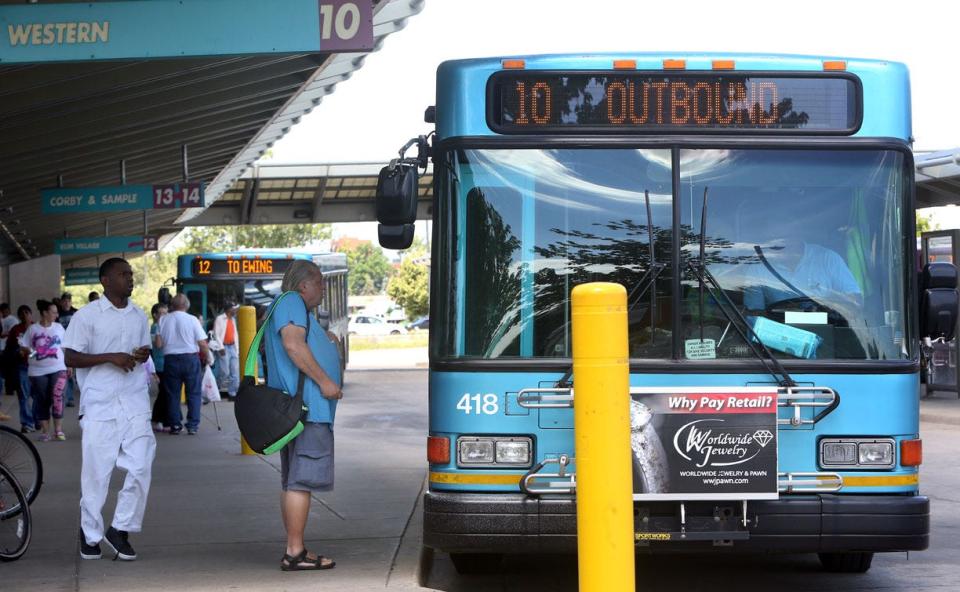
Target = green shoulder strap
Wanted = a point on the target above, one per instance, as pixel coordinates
(249, 366)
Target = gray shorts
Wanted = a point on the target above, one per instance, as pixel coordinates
(306, 463)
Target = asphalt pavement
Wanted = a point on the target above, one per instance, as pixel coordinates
(213, 517)
(213, 520)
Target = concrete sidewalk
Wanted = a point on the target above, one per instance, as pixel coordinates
(213, 519)
(381, 359)
(939, 407)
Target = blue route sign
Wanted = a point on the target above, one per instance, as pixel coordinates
(67, 200)
(80, 276)
(98, 244)
(96, 199)
(87, 31)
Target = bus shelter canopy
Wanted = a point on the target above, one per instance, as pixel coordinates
(938, 178)
(73, 123)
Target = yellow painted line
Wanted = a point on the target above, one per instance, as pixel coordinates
(881, 481)
(475, 479)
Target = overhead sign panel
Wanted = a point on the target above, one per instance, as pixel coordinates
(173, 28)
(99, 244)
(65, 200)
(81, 276)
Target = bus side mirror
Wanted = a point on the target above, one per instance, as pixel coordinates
(397, 194)
(395, 236)
(939, 300)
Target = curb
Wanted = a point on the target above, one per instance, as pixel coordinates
(412, 563)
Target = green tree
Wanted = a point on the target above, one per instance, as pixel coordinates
(410, 288)
(369, 269)
(267, 236)
(150, 273)
(925, 223)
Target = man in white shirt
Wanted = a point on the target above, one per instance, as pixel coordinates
(107, 342)
(225, 330)
(182, 339)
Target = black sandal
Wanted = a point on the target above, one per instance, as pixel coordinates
(293, 562)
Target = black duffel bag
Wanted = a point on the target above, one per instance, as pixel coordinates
(268, 418)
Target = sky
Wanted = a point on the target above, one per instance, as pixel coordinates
(371, 115)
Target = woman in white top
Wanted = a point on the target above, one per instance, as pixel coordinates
(47, 372)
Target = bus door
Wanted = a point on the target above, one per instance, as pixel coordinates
(197, 294)
(940, 246)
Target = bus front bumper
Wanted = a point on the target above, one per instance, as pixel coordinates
(517, 523)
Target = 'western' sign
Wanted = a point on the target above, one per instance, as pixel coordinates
(173, 28)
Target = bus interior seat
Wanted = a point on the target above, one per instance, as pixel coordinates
(938, 300)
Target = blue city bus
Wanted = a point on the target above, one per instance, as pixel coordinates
(253, 277)
(759, 212)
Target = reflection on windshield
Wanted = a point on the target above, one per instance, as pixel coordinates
(806, 243)
(537, 223)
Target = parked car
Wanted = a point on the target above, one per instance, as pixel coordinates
(421, 324)
(371, 325)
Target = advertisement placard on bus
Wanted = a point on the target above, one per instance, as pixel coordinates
(704, 443)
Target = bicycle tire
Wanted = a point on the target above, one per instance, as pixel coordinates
(16, 516)
(22, 459)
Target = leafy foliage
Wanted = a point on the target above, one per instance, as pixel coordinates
(369, 269)
(410, 288)
(266, 236)
(925, 224)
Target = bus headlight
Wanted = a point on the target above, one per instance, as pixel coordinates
(857, 453)
(876, 453)
(839, 453)
(474, 451)
(494, 451)
(513, 452)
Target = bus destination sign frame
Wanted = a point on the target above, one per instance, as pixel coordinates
(530, 102)
(235, 267)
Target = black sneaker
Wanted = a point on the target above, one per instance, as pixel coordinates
(88, 551)
(174, 431)
(191, 431)
(117, 540)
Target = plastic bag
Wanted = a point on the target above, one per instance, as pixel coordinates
(208, 388)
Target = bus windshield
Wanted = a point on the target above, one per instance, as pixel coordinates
(805, 243)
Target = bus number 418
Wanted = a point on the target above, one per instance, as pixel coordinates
(487, 404)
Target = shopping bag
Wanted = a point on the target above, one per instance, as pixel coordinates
(208, 388)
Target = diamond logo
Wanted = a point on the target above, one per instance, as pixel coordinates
(763, 437)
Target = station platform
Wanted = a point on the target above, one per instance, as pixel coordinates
(213, 516)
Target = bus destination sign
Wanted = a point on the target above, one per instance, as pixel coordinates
(615, 102)
(240, 266)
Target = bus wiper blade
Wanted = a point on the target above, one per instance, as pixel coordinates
(633, 298)
(640, 288)
(740, 324)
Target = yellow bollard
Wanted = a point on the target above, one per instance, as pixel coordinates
(246, 331)
(601, 374)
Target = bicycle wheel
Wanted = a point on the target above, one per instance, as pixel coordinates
(16, 526)
(22, 459)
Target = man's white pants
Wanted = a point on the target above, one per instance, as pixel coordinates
(129, 445)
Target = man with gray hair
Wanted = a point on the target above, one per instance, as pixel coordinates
(296, 344)
(183, 340)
